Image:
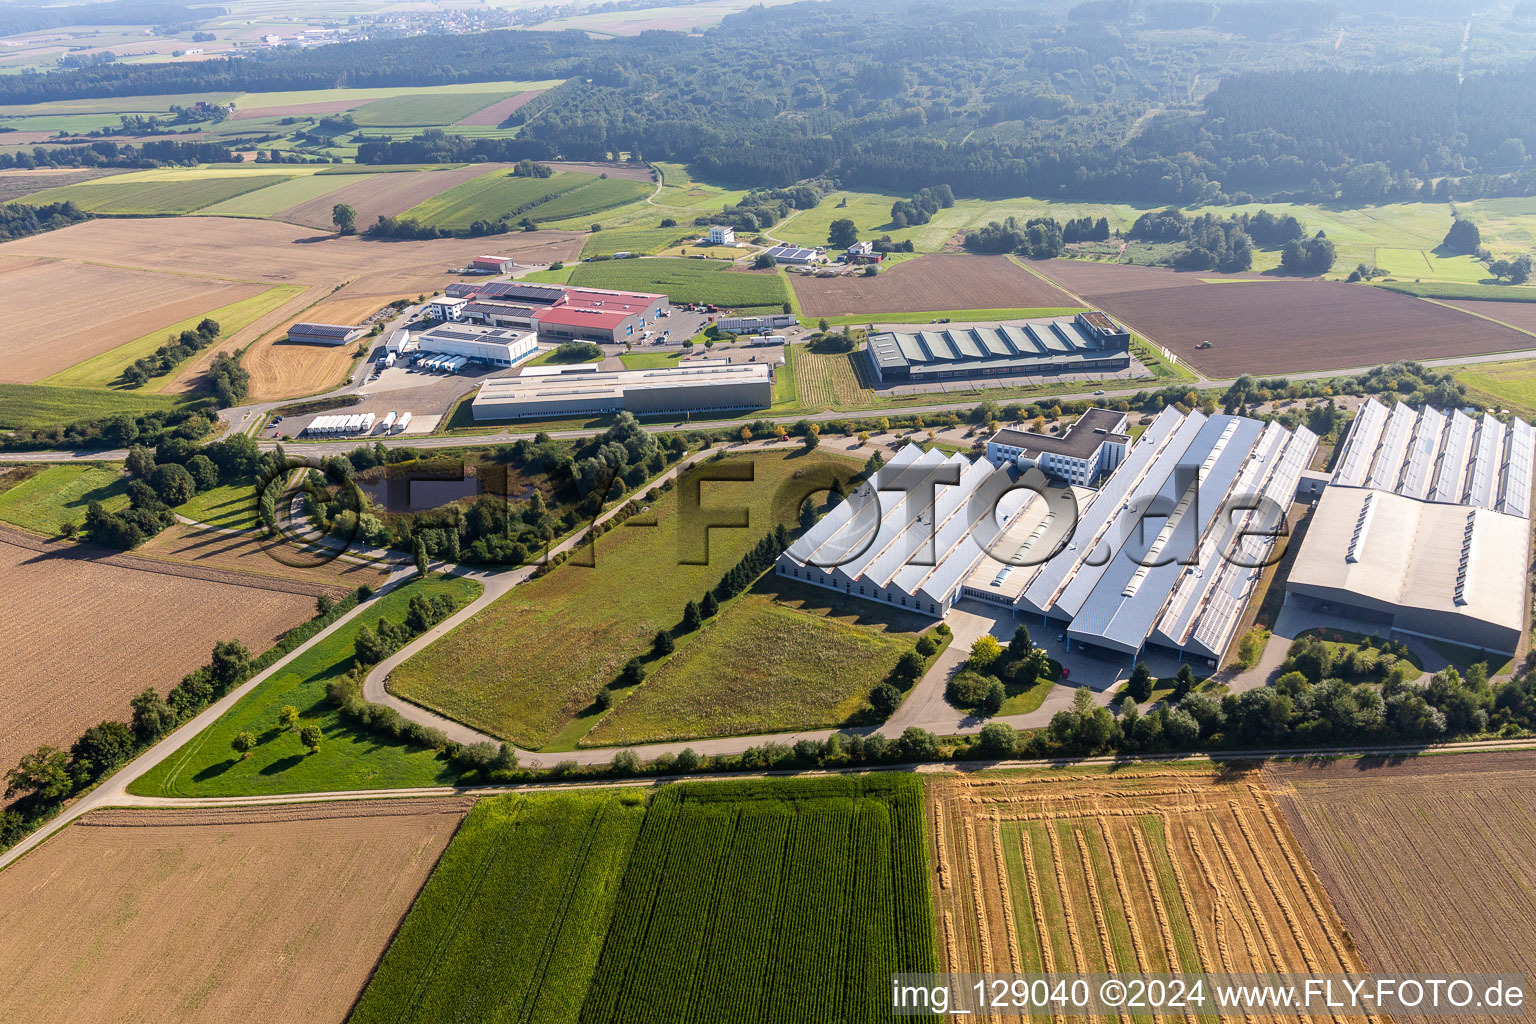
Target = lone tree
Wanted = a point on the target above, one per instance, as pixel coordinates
(842, 233)
(1464, 236)
(421, 557)
(604, 699)
(632, 674)
(242, 744)
(288, 716)
(310, 736)
(663, 644)
(345, 219)
(1139, 687)
(691, 618)
(1183, 682)
(709, 606)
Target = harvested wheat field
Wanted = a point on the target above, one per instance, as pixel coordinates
(937, 283)
(35, 341)
(382, 195)
(1279, 325)
(92, 629)
(280, 369)
(242, 553)
(1431, 861)
(1152, 869)
(246, 249)
(274, 913)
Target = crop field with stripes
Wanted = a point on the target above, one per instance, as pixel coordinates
(1151, 870)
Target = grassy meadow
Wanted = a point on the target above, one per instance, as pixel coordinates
(59, 494)
(37, 406)
(348, 758)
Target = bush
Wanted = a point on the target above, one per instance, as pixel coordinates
(997, 741)
(969, 688)
(626, 762)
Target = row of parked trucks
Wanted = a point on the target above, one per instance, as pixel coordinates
(357, 423)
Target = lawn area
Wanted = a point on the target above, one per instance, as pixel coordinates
(115, 196)
(231, 506)
(348, 758)
(37, 406)
(645, 241)
(272, 200)
(1511, 385)
(1343, 642)
(515, 914)
(650, 360)
(684, 280)
(60, 494)
(779, 658)
(1463, 658)
(529, 663)
(556, 357)
(107, 368)
(491, 196)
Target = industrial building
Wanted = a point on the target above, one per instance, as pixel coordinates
(585, 391)
(557, 312)
(491, 264)
(1425, 527)
(1167, 552)
(494, 346)
(754, 324)
(325, 334)
(1092, 446)
(1087, 342)
(496, 313)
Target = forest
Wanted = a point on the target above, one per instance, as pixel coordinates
(1110, 100)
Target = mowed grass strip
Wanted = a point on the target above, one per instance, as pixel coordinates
(111, 196)
(535, 658)
(107, 368)
(510, 925)
(760, 666)
(56, 495)
(38, 406)
(685, 280)
(348, 758)
(230, 506)
(491, 196)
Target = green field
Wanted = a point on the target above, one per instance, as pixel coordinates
(56, 495)
(35, 406)
(424, 109)
(684, 280)
(779, 659)
(272, 200)
(644, 241)
(231, 506)
(116, 196)
(106, 369)
(528, 664)
(513, 917)
(593, 197)
(1458, 292)
(1511, 385)
(763, 900)
(772, 900)
(490, 197)
(348, 758)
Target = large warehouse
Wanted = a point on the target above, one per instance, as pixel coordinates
(1087, 342)
(1165, 553)
(325, 334)
(494, 346)
(557, 312)
(582, 391)
(1425, 527)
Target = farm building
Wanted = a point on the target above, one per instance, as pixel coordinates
(1166, 552)
(496, 346)
(491, 264)
(325, 334)
(753, 324)
(1425, 526)
(1090, 447)
(1087, 342)
(588, 392)
(797, 256)
(722, 234)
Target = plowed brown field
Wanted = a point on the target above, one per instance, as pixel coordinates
(207, 916)
(195, 546)
(500, 110)
(1519, 315)
(1154, 869)
(110, 306)
(1431, 862)
(82, 636)
(1279, 326)
(938, 282)
(383, 195)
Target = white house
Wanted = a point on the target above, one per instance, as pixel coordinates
(722, 234)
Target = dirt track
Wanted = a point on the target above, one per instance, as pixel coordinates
(275, 914)
(931, 283)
